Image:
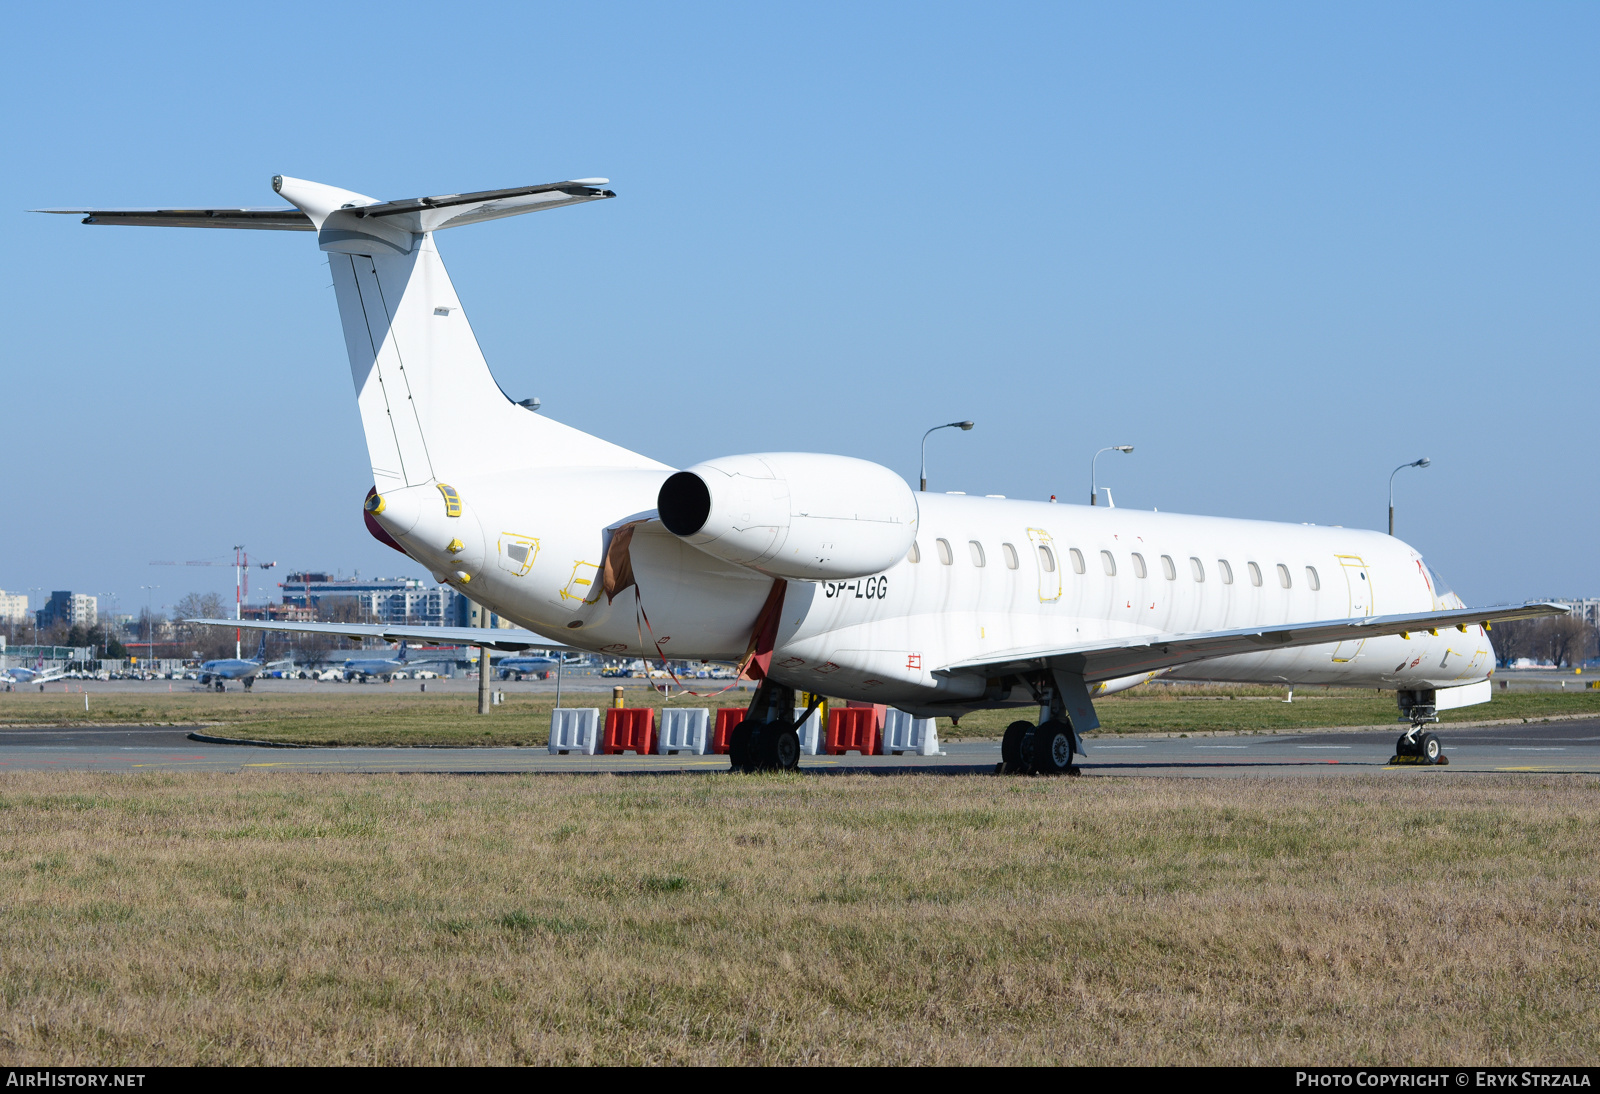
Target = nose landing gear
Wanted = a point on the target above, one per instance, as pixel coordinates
(1416, 746)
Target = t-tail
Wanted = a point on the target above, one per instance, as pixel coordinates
(430, 407)
(261, 650)
(404, 647)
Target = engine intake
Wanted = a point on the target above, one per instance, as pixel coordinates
(793, 514)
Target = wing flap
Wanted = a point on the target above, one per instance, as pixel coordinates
(1147, 653)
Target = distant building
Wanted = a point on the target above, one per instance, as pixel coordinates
(13, 607)
(392, 600)
(279, 613)
(1588, 609)
(73, 609)
(471, 615)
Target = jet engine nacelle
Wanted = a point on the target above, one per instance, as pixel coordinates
(793, 514)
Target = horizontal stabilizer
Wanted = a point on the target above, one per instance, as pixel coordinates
(500, 638)
(408, 215)
(1148, 653)
(451, 210)
(277, 220)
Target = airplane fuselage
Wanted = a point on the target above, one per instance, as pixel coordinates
(990, 576)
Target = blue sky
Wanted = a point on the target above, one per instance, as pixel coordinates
(1278, 248)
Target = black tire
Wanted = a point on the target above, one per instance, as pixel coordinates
(220, 687)
(1011, 759)
(1430, 748)
(1052, 749)
(739, 747)
(785, 749)
(1403, 747)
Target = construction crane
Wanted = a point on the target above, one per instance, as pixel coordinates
(241, 583)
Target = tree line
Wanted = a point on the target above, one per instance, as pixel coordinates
(1565, 641)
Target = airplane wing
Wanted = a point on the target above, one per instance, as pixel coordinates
(495, 637)
(1146, 653)
(286, 219)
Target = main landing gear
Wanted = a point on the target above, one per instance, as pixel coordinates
(1416, 746)
(766, 740)
(1043, 749)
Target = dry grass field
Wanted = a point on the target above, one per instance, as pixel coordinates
(1404, 918)
(400, 715)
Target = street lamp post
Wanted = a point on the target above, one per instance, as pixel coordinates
(963, 426)
(1094, 489)
(35, 614)
(1424, 462)
(150, 621)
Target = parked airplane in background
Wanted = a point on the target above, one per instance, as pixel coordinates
(16, 677)
(385, 667)
(827, 573)
(517, 667)
(235, 668)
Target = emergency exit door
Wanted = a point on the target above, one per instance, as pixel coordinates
(1359, 583)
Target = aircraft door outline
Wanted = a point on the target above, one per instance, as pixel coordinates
(1049, 581)
(517, 553)
(582, 588)
(1358, 583)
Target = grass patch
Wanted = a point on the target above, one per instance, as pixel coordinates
(294, 919)
(394, 715)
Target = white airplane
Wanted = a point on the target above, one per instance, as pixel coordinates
(17, 676)
(384, 667)
(826, 573)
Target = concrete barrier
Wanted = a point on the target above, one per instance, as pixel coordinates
(629, 729)
(575, 730)
(728, 719)
(852, 729)
(810, 730)
(902, 733)
(684, 730)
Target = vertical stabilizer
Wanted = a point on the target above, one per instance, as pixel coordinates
(429, 405)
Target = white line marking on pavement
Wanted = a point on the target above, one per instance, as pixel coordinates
(1324, 746)
(1524, 748)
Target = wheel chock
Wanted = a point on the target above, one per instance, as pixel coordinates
(1418, 761)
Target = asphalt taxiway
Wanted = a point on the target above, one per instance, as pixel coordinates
(1538, 747)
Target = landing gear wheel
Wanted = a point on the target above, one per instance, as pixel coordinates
(220, 687)
(739, 747)
(249, 683)
(1011, 759)
(1404, 748)
(1052, 749)
(1430, 749)
(784, 750)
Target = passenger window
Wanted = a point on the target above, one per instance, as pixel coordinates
(1283, 576)
(1197, 568)
(976, 550)
(1255, 574)
(915, 554)
(1047, 560)
(1138, 564)
(1312, 579)
(1225, 570)
(1168, 568)
(944, 551)
(1011, 555)
(1077, 560)
(1109, 563)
